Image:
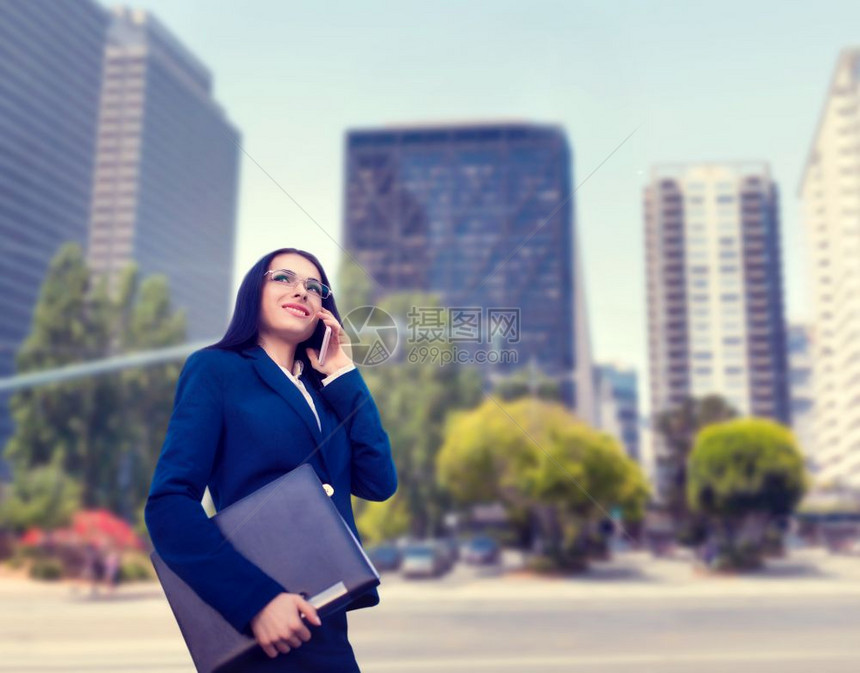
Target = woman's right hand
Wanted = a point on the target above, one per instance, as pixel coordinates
(278, 627)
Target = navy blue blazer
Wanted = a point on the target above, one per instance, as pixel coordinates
(238, 423)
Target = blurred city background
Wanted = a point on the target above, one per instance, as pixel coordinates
(599, 263)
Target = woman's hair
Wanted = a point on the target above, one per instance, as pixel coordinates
(243, 330)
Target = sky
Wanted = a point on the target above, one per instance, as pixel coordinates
(691, 81)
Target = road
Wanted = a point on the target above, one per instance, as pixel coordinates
(632, 614)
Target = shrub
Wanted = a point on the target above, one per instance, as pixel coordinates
(46, 569)
(135, 569)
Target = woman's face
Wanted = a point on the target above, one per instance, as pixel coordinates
(293, 323)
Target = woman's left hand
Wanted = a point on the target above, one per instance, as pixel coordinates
(338, 346)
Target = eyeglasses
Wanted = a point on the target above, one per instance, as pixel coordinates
(291, 278)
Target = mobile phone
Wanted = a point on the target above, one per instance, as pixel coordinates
(324, 347)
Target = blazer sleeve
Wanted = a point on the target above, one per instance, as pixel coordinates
(374, 476)
(186, 539)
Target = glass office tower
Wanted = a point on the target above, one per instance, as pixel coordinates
(50, 77)
(166, 175)
(483, 215)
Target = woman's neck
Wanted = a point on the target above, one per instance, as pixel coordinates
(282, 352)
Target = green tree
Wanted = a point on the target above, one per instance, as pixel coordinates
(44, 496)
(103, 431)
(535, 456)
(742, 474)
(415, 399)
(678, 428)
(144, 320)
(379, 521)
(525, 382)
(70, 325)
(354, 287)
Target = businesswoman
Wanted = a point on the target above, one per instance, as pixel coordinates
(247, 410)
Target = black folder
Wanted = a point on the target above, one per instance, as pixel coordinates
(292, 530)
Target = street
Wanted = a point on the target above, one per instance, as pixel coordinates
(631, 614)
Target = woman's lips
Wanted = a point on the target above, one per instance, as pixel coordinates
(296, 310)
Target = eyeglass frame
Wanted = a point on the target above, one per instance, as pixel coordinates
(300, 279)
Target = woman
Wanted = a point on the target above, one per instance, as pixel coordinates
(247, 410)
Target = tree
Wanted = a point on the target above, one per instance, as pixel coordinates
(68, 419)
(355, 288)
(44, 496)
(534, 456)
(742, 474)
(379, 521)
(144, 320)
(414, 399)
(104, 431)
(525, 382)
(679, 427)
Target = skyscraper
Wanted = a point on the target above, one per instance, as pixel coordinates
(481, 214)
(715, 297)
(617, 393)
(830, 190)
(166, 173)
(802, 391)
(50, 77)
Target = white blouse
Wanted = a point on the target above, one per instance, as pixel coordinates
(297, 372)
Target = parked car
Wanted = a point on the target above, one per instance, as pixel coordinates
(450, 550)
(481, 550)
(423, 559)
(385, 557)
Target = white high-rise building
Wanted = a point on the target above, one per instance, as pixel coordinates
(715, 299)
(802, 392)
(830, 190)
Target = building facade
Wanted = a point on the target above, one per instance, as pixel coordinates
(482, 215)
(166, 172)
(617, 392)
(830, 193)
(50, 77)
(802, 391)
(715, 294)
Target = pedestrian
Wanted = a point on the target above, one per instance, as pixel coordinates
(248, 409)
(92, 570)
(111, 569)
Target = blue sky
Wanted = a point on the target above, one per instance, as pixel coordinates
(700, 81)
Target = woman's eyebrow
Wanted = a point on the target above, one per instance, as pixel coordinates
(309, 277)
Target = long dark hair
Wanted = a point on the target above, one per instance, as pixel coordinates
(243, 330)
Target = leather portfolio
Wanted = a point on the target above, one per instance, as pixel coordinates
(292, 530)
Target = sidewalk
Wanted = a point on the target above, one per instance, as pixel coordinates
(633, 575)
(636, 575)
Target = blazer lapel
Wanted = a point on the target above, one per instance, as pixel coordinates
(277, 380)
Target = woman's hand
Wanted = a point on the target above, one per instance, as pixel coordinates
(278, 627)
(338, 346)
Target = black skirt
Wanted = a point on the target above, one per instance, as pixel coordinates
(328, 651)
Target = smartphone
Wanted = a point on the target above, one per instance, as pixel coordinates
(324, 347)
